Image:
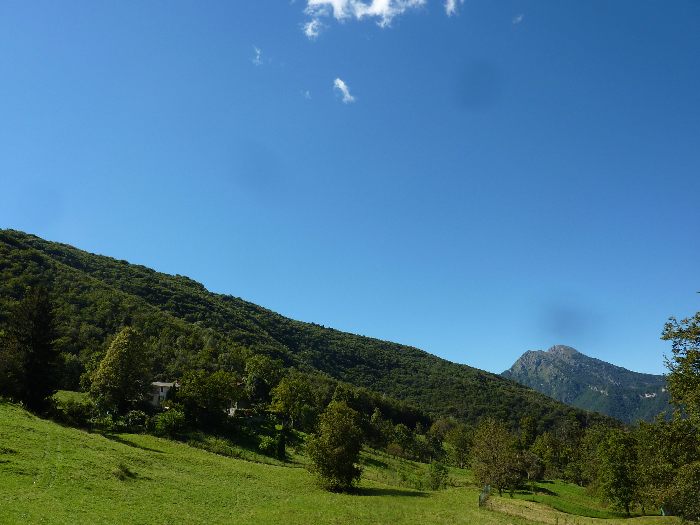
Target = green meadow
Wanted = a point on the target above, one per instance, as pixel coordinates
(60, 475)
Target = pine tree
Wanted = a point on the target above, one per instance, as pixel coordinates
(28, 359)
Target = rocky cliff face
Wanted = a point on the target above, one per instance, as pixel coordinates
(585, 382)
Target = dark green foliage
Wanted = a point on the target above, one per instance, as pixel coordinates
(299, 399)
(123, 377)
(685, 492)
(459, 439)
(28, 356)
(135, 421)
(262, 375)
(618, 478)
(662, 449)
(205, 397)
(335, 449)
(186, 327)
(591, 384)
(170, 423)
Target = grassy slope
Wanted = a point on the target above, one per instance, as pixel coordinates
(53, 474)
(569, 498)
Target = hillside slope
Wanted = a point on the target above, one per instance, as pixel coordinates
(64, 476)
(585, 382)
(188, 326)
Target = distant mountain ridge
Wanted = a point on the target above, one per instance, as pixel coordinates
(571, 377)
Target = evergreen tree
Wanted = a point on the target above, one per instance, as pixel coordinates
(28, 358)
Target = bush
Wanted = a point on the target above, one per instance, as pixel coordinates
(437, 476)
(335, 449)
(135, 421)
(268, 445)
(103, 422)
(169, 423)
(75, 411)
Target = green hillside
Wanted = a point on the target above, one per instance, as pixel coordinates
(58, 475)
(591, 384)
(189, 327)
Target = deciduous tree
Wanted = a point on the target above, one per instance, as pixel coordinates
(122, 380)
(335, 448)
(495, 458)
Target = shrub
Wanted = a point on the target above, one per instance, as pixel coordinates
(268, 445)
(437, 476)
(135, 421)
(169, 423)
(75, 412)
(335, 449)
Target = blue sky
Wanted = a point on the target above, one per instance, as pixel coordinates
(510, 176)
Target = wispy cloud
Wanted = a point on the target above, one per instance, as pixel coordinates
(383, 11)
(306, 94)
(518, 19)
(312, 28)
(451, 6)
(342, 87)
(257, 59)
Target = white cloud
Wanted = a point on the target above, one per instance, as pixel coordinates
(257, 59)
(382, 10)
(518, 18)
(312, 28)
(340, 85)
(451, 6)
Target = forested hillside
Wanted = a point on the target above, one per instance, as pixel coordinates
(576, 379)
(188, 327)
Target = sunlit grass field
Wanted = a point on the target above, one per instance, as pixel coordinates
(59, 475)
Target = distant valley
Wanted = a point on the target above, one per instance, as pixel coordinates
(571, 377)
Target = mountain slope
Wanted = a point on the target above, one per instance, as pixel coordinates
(188, 327)
(585, 382)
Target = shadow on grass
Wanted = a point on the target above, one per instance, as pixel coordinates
(373, 491)
(119, 439)
(538, 490)
(374, 462)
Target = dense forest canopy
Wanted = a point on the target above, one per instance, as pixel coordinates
(187, 327)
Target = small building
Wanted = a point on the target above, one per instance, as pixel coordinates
(159, 392)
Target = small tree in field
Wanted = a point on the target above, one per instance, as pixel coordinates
(495, 459)
(123, 377)
(335, 448)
